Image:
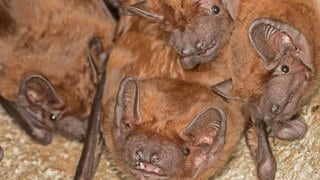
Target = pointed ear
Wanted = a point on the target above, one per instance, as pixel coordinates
(140, 9)
(127, 105)
(206, 131)
(36, 90)
(272, 38)
(223, 88)
(233, 7)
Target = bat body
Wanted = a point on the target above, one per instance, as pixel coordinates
(45, 74)
(275, 64)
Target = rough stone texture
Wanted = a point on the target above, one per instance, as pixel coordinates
(26, 159)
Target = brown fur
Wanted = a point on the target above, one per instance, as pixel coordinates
(250, 77)
(166, 107)
(142, 50)
(249, 74)
(51, 39)
(7, 25)
(196, 32)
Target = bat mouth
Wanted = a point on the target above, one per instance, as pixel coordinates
(203, 50)
(147, 170)
(206, 51)
(203, 55)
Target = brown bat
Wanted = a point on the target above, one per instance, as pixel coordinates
(274, 66)
(47, 84)
(285, 52)
(153, 56)
(197, 29)
(170, 129)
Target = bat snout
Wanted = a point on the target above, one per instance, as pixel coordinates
(148, 156)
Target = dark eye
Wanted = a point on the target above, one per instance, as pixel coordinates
(285, 69)
(215, 9)
(186, 151)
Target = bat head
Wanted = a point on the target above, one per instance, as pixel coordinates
(197, 29)
(286, 56)
(169, 141)
(40, 106)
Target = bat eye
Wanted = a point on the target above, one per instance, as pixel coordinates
(285, 69)
(186, 151)
(53, 117)
(215, 9)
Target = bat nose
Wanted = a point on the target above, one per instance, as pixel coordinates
(200, 45)
(186, 51)
(149, 157)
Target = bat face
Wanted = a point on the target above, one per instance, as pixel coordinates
(160, 132)
(285, 53)
(40, 111)
(201, 39)
(280, 102)
(285, 87)
(196, 29)
(50, 92)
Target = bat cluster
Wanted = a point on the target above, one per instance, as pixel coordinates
(167, 86)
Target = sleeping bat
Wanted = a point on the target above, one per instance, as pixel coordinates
(169, 129)
(274, 62)
(47, 83)
(197, 29)
(285, 52)
(152, 56)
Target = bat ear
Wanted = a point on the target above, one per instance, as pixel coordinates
(223, 88)
(128, 106)
(35, 90)
(207, 131)
(233, 7)
(272, 39)
(140, 9)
